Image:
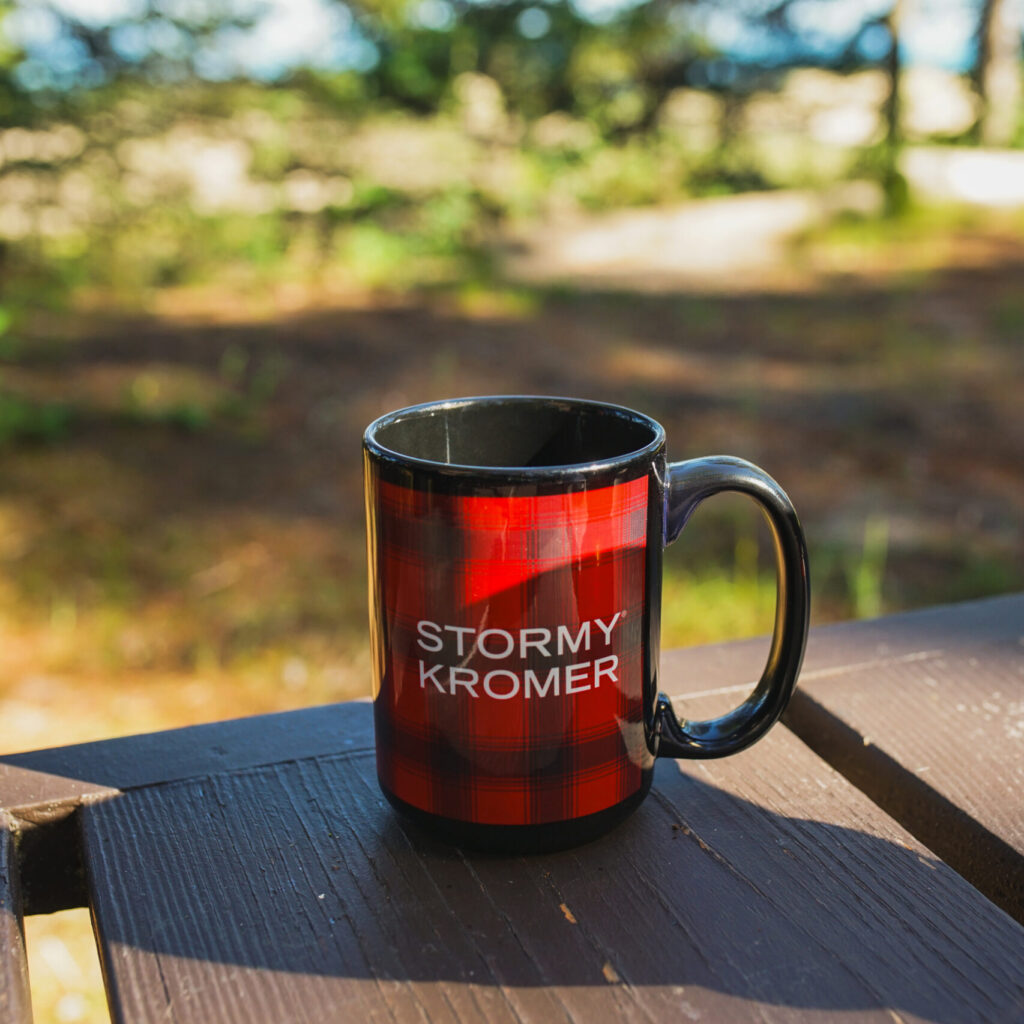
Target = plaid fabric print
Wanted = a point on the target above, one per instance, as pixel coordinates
(509, 650)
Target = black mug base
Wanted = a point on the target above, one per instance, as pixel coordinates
(516, 839)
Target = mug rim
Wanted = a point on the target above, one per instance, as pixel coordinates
(572, 469)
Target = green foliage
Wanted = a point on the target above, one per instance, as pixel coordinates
(879, 163)
(707, 606)
(345, 92)
(414, 69)
(252, 384)
(266, 378)
(371, 200)
(866, 575)
(10, 343)
(147, 401)
(24, 420)
(377, 256)
(628, 174)
(726, 172)
(716, 585)
(189, 417)
(1009, 317)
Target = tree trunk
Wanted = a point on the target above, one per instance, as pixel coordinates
(997, 73)
(893, 182)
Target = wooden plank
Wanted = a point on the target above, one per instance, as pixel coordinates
(15, 1003)
(43, 789)
(33, 781)
(934, 733)
(763, 887)
(837, 650)
(721, 675)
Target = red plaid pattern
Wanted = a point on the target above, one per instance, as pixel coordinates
(509, 650)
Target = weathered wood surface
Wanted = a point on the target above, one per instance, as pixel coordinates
(14, 994)
(935, 734)
(43, 789)
(763, 887)
(924, 712)
(35, 781)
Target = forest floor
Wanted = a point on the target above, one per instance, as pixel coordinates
(181, 520)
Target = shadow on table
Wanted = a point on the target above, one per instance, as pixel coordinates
(301, 873)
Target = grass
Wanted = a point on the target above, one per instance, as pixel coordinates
(923, 239)
(867, 573)
(719, 583)
(708, 606)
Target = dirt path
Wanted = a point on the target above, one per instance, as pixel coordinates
(731, 244)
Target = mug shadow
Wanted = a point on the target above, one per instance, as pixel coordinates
(700, 898)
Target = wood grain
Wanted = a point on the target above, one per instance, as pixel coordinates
(847, 647)
(33, 781)
(934, 733)
(763, 887)
(43, 790)
(15, 1004)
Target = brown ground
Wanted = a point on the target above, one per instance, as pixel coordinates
(190, 546)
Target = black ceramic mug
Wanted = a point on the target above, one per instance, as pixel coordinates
(515, 562)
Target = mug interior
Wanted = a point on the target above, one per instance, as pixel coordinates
(515, 433)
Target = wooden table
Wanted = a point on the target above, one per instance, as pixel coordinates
(865, 861)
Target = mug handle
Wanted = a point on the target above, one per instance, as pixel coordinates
(689, 483)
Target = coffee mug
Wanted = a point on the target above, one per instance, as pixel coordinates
(515, 560)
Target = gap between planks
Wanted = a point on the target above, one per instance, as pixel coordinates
(985, 860)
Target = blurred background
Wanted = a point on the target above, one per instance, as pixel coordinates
(232, 232)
